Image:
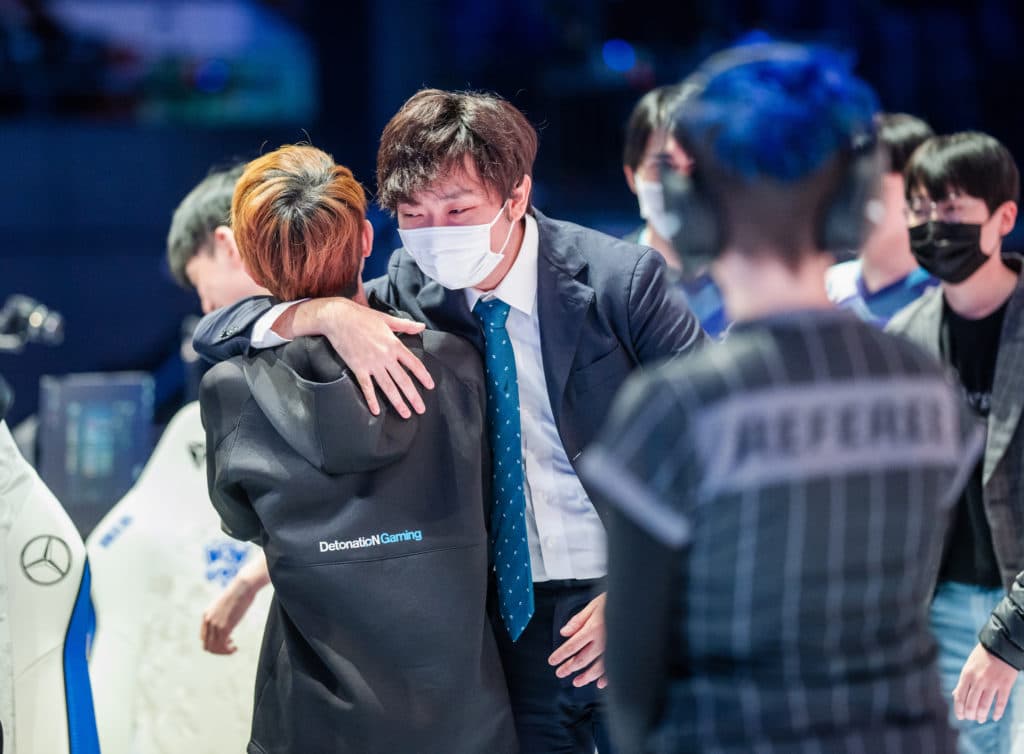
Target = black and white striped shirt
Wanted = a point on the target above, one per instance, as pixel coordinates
(777, 509)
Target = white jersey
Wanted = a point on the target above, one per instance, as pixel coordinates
(159, 558)
(45, 618)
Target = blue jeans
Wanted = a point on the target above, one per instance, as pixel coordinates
(957, 615)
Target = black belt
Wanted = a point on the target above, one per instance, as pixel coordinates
(563, 585)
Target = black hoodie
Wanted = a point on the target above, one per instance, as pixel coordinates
(374, 531)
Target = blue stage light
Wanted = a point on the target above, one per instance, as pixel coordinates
(618, 55)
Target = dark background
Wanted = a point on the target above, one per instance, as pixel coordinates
(111, 110)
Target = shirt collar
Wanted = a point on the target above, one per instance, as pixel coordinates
(518, 288)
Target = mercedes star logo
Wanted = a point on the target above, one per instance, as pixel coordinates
(46, 559)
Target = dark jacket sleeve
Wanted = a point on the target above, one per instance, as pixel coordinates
(1003, 635)
(222, 397)
(660, 321)
(226, 332)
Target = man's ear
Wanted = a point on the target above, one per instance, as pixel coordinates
(520, 199)
(367, 238)
(224, 243)
(1008, 217)
(630, 177)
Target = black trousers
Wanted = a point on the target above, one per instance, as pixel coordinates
(551, 715)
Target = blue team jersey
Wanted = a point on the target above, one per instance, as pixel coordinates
(705, 301)
(845, 285)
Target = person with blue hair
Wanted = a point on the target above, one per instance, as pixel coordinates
(777, 504)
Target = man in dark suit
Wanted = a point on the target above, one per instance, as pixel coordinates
(962, 192)
(563, 315)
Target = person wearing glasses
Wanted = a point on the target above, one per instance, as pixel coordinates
(962, 192)
(885, 277)
(649, 144)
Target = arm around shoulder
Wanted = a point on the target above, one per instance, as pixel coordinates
(225, 332)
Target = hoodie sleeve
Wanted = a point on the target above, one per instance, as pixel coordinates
(222, 397)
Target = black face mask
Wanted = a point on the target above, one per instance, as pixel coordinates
(950, 251)
(696, 237)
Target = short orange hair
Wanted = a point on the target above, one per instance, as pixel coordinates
(298, 222)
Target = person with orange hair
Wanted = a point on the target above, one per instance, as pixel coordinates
(373, 526)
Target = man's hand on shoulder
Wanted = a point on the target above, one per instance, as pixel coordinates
(366, 340)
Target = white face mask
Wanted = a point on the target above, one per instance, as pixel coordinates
(456, 256)
(651, 197)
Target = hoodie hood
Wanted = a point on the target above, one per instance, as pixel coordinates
(314, 402)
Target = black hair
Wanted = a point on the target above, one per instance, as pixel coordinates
(900, 134)
(435, 131)
(651, 113)
(203, 210)
(970, 161)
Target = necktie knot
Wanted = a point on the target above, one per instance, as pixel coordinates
(492, 313)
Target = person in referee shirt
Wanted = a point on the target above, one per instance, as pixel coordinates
(777, 505)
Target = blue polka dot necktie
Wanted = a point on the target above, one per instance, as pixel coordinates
(509, 548)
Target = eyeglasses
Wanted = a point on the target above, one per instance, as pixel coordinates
(953, 209)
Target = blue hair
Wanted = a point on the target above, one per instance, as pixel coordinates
(776, 110)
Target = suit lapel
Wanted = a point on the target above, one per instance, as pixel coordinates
(447, 311)
(562, 302)
(1008, 384)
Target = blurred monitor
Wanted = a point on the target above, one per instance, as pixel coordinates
(94, 438)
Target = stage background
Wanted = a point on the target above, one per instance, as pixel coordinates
(110, 110)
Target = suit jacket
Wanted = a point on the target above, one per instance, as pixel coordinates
(1003, 461)
(604, 306)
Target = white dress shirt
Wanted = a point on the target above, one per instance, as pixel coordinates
(566, 537)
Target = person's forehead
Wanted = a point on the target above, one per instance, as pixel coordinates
(920, 191)
(455, 183)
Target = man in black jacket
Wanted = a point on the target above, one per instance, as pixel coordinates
(373, 527)
(962, 193)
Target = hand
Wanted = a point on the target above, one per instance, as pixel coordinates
(366, 340)
(583, 650)
(225, 612)
(984, 679)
